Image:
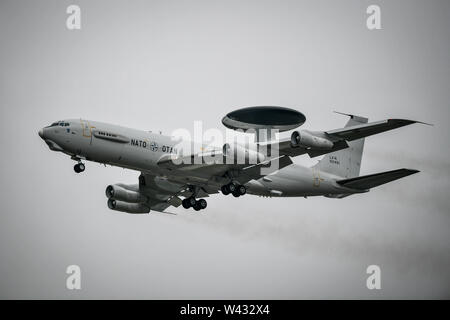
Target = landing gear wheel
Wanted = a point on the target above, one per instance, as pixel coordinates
(231, 187)
(192, 201)
(202, 203)
(236, 194)
(225, 190)
(186, 203)
(197, 207)
(242, 190)
(79, 167)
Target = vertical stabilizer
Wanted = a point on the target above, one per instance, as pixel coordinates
(347, 162)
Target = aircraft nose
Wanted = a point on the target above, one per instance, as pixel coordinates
(41, 133)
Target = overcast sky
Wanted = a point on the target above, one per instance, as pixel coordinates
(161, 65)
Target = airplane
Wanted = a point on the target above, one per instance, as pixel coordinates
(164, 182)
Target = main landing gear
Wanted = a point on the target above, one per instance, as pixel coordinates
(235, 189)
(79, 167)
(196, 204)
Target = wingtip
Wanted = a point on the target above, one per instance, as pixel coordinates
(411, 121)
(411, 171)
(426, 123)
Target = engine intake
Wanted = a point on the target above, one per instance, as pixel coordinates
(122, 206)
(307, 140)
(117, 192)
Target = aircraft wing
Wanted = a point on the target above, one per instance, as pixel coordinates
(339, 137)
(285, 148)
(160, 192)
(166, 191)
(257, 171)
(364, 130)
(202, 173)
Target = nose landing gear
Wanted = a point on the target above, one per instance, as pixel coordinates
(79, 167)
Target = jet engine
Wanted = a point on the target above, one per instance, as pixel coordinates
(118, 192)
(310, 141)
(241, 155)
(127, 206)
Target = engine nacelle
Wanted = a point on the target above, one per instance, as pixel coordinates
(307, 140)
(127, 207)
(117, 192)
(241, 154)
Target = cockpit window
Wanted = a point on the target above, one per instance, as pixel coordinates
(59, 123)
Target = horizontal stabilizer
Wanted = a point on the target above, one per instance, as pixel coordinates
(375, 180)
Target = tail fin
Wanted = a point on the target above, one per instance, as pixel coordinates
(347, 162)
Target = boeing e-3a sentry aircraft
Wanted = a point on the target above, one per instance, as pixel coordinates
(164, 182)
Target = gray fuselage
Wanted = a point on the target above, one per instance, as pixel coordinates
(141, 150)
